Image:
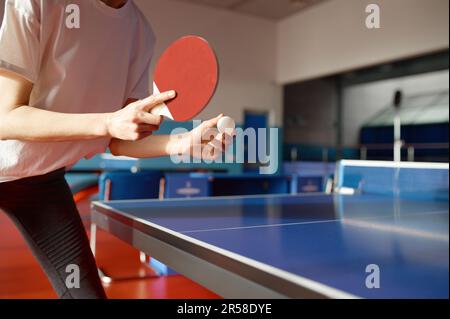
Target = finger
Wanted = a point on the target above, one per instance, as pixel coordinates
(217, 143)
(226, 142)
(216, 153)
(150, 102)
(213, 122)
(207, 152)
(150, 119)
(232, 134)
(219, 140)
(211, 152)
(228, 139)
(209, 134)
(144, 128)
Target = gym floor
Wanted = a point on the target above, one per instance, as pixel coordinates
(22, 278)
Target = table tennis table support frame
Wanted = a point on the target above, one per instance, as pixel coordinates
(93, 243)
(103, 276)
(93, 239)
(108, 185)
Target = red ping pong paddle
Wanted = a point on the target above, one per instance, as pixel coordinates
(189, 66)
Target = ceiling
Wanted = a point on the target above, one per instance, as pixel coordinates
(269, 9)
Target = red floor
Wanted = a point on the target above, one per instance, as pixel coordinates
(21, 276)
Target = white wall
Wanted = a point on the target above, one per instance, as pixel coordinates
(332, 37)
(362, 102)
(245, 47)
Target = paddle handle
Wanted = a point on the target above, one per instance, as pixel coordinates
(161, 109)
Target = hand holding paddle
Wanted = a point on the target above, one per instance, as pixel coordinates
(134, 122)
(189, 72)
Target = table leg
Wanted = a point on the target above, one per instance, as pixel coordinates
(93, 237)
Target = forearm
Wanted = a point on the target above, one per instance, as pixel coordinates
(33, 124)
(203, 142)
(152, 146)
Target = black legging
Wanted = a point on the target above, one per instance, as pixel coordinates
(44, 211)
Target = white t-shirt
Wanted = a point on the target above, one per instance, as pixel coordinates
(91, 69)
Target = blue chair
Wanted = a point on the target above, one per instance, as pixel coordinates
(187, 185)
(123, 185)
(307, 184)
(310, 177)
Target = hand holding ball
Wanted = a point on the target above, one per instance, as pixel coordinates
(226, 125)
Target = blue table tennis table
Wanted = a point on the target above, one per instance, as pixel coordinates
(295, 246)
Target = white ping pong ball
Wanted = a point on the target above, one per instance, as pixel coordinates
(226, 125)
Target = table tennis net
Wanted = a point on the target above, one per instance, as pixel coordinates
(396, 179)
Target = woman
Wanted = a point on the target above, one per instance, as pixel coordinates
(68, 91)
